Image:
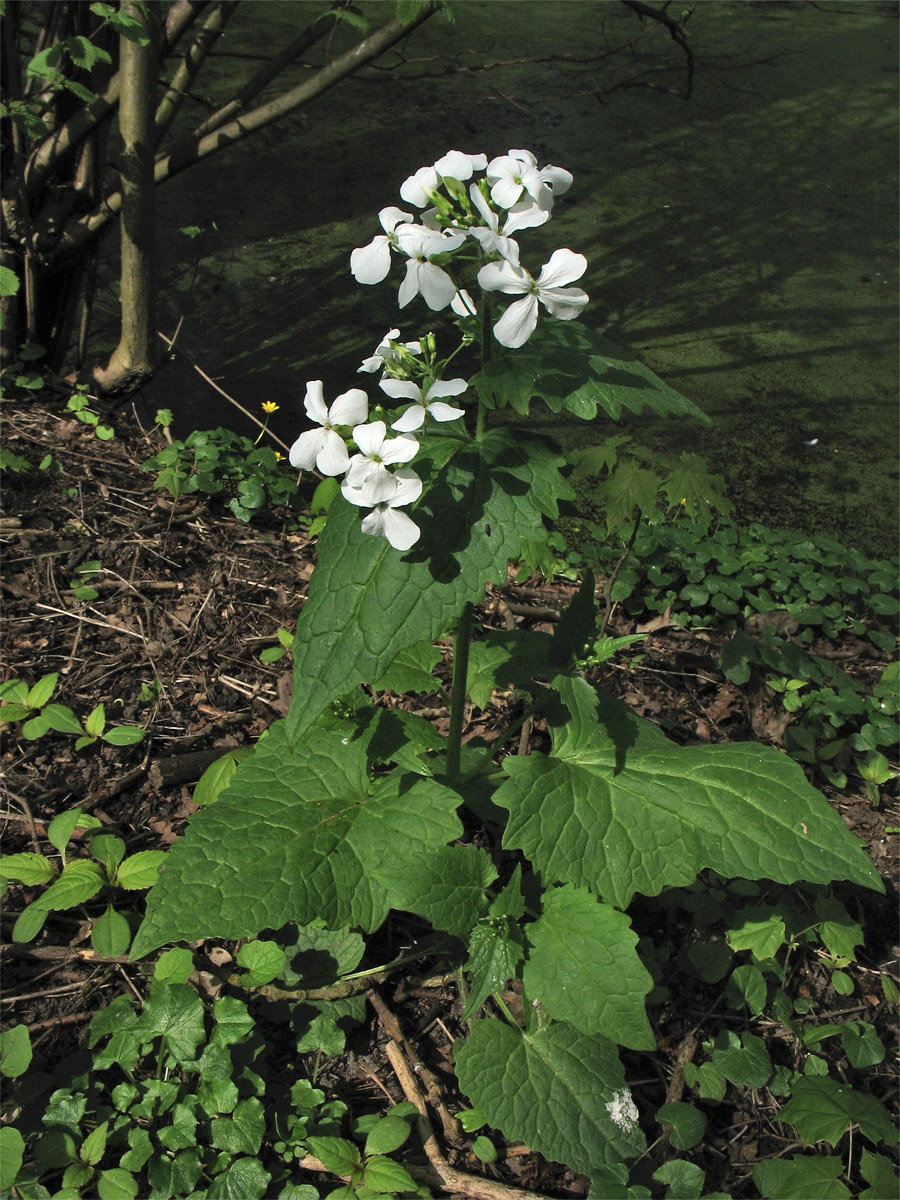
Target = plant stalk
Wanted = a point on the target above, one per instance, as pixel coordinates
(461, 644)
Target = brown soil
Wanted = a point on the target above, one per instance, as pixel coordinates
(189, 596)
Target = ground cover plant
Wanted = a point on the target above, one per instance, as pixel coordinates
(563, 901)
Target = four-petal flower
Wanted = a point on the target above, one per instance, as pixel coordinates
(325, 448)
(414, 417)
(517, 324)
(368, 471)
(371, 263)
(385, 519)
(512, 174)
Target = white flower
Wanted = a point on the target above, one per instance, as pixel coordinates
(463, 304)
(512, 174)
(517, 324)
(423, 276)
(622, 1110)
(388, 352)
(415, 190)
(414, 417)
(385, 520)
(489, 235)
(370, 264)
(454, 164)
(368, 471)
(325, 447)
(457, 165)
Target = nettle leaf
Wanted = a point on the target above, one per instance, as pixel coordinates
(298, 835)
(583, 967)
(557, 1090)
(571, 367)
(618, 808)
(365, 598)
(27, 868)
(495, 951)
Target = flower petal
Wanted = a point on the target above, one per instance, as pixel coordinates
(314, 402)
(563, 266)
(409, 288)
(391, 217)
(564, 303)
(457, 165)
(444, 412)
(350, 408)
(303, 453)
(409, 487)
(517, 324)
(399, 449)
(446, 387)
(369, 437)
(370, 264)
(504, 277)
(400, 530)
(463, 304)
(415, 189)
(412, 419)
(401, 389)
(524, 215)
(559, 179)
(332, 458)
(436, 286)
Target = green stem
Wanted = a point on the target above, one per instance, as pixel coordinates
(486, 353)
(458, 691)
(488, 757)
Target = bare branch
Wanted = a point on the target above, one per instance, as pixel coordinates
(189, 151)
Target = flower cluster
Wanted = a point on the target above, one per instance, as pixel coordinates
(368, 479)
(462, 217)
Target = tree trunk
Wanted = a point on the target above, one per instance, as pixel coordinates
(136, 357)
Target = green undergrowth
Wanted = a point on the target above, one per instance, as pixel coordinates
(784, 601)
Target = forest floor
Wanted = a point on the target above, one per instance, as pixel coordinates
(187, 598)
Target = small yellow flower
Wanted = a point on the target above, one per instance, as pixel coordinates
(269, 406)
(279, 456)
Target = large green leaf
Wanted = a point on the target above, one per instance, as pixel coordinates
(571, 367)
(368, 601)
(583, 967)
(298, 835)
(560, 1091)
(618, 808)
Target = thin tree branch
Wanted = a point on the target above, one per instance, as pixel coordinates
(192, 150)
(194, 57)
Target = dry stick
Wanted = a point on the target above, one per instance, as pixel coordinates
(448, 1178)
(230, 399)
(391, 1026)
(607, 591)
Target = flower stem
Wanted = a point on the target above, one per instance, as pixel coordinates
(486, 351)
(458, 691)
